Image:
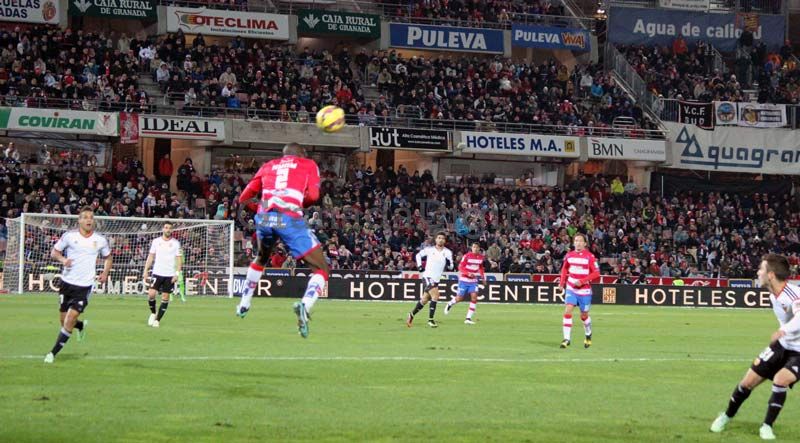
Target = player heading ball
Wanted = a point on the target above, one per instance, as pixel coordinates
(284, 187)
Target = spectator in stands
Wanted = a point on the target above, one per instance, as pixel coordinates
(11, 154)
(165, 169)
(162, 77)
(146, 56)
(679, 46)
(185, 173)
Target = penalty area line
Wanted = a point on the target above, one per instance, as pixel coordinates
(386, 359)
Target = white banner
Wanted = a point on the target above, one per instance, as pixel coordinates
(155, 126)
(228, 23)
(761, 115)
(59, 120)
(692, 5)
(627, 149)
(31, 11)
(735, 149)
(519, 144)
(725, 113)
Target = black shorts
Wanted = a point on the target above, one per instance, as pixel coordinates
(163, 284)
(429, 284)
(73, 297)
(774, 358)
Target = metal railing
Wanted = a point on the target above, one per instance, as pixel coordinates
(616, 61)
(211, 4)
(668, 111)
(560, 21)
(388, 12)
(719, 61)
(397, 118)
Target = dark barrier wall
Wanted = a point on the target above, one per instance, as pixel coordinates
(520, 292)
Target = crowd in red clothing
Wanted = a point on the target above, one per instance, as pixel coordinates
(690, 73)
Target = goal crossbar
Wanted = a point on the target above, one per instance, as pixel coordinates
(208, 247)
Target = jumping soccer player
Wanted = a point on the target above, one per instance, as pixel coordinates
(577, 274)
(438, 258)
(470, 275)
(77, 251)
(780, 361)
(165, 251)
(285, 186)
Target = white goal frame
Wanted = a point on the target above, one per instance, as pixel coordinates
(24, 221)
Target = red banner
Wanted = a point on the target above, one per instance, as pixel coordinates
(128, 128)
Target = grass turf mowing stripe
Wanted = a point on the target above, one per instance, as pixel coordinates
(386, 358)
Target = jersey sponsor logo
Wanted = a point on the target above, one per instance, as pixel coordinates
(578, 261)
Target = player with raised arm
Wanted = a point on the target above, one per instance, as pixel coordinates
(470, 276)
(438, 258)
(780, 361)
(577, 273)
(165, 252)
(284, 187)
(77, 251)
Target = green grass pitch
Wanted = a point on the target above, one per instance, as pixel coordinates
(653, 374)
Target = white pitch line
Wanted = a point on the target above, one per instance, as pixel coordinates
(388, 359)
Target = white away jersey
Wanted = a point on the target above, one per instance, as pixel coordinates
(83, 251)
(166, 252)
(787, 308)
(437, 260)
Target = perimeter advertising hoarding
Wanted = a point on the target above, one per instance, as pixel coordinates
(525, 292)
(642, 26)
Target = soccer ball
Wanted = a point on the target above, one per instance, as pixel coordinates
(330, 118)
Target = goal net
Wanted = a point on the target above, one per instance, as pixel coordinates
(207, 247)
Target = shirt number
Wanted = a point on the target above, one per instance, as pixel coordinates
(282, 178)
(766, 354)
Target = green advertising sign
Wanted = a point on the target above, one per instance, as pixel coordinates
(130, 9)
(316, 21)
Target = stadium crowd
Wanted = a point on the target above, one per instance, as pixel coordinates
(503, 91)
(477, 13)
(378, 219)
(46, 67)
(688, 72)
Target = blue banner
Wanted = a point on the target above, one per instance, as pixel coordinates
(528, 36)
(640, 26)
(446, 38)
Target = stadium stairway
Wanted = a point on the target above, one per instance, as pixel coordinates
(152, 89)
(371, 93)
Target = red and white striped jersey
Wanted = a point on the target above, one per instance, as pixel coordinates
(287, 184)
(579, 266)
(471, 267)
(787, 308)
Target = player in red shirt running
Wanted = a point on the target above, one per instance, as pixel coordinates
(577, 274)
(470, 275)
(284, 187)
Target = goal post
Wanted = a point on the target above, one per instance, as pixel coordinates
(207, 245)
